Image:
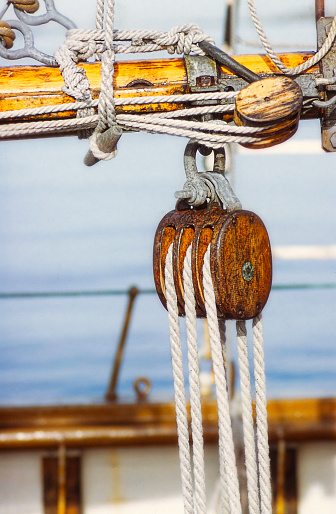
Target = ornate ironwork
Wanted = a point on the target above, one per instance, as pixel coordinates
(25, 20)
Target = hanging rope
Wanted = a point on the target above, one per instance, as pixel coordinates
(195, 388)
(228, 468)
(180, 398)
(272, 55)
(256, 458)
(248, 424)
(262, 425)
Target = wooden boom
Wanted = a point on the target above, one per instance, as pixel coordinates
(36, 86)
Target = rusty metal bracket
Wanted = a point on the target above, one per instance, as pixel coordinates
(327, 91)
(201, 73)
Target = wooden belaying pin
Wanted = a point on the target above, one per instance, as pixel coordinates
(106, 142)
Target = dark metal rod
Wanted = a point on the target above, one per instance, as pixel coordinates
(319, 9)
(111, 392)
(223, 58)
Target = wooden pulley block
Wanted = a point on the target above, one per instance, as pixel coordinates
(274, 103)
(240, 259)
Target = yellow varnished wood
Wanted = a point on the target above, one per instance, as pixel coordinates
(36, 86)
(150, 423)
(263, 64)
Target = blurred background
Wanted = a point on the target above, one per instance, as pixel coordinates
(68, 228)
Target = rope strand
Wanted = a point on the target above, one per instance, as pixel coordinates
(248, 424)
(270, 52)
(228, 468)
(195, 387)
(262, 425)
(180, 398)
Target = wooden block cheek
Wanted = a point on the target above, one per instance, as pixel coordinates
(241, 266)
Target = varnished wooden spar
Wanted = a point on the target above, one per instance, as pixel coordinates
(115, 424)
(36, 86)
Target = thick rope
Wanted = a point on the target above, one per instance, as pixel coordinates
(228, 468)
(195, 387)
(100, 14)
(81, 45)
(106, 109)
(180, 398)
(222, 333)
(270, 52)
(248, 424)
(261, 411)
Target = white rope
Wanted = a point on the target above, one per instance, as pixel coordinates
(73, 106)
(270, 52)
(106, 109)
(195, 387)
(248, 423)
(180, 399)
(256, 462)
(208, 139)
(11, 130)
(149, 119)
(46, 127)
(228, 468)
(100, 14)
(81, 44)
(180, 39)
(261, 411)
(224, 497)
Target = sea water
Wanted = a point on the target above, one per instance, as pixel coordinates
(66, 228)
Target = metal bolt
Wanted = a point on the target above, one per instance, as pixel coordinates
(333, 140)
(248, 271)
(205, 81)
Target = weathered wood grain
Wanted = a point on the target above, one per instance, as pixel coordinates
(275, 103)
(237, 239)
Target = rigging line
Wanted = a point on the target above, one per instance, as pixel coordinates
(270, 52)
(194, 387)
(180, 396)
(120, 292)
(228, 467)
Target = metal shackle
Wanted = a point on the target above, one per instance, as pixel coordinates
(209, 188)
